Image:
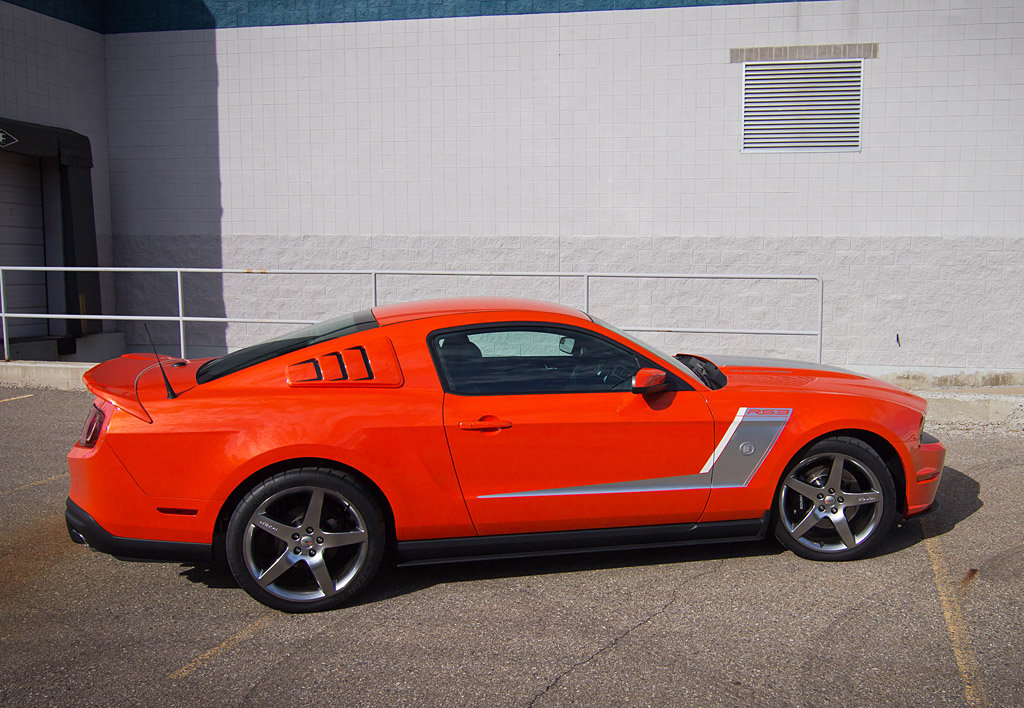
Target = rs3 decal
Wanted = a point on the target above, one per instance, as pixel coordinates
(745, 445)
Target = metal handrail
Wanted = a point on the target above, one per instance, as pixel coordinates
(181, 318)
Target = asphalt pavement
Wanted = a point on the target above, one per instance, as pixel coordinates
(934, 619)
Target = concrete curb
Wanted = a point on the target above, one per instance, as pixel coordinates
(1003, 404)
(993, 404)
(63, 375)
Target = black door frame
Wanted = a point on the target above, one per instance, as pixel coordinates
(78, 224)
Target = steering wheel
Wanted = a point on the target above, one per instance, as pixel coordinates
(615, 376)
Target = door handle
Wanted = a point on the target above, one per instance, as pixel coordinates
(485, 424)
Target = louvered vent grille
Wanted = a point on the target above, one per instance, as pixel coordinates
(350, 364)
(372, 364)
(802, 105)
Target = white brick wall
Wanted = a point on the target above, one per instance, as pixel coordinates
(609, 123)
(954, 301)
(601, 141)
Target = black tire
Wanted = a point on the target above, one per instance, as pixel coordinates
(297, 555)
(836, 501)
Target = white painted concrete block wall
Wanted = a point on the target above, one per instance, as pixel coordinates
(587, 141)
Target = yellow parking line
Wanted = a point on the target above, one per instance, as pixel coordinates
(54, 478)
(222, 647)
(959, 636)
(17, 398)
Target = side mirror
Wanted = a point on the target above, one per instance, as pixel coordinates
(566, 344)
(650, 381)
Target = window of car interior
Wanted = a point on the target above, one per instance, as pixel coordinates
(531, 359)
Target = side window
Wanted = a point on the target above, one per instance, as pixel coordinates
(520, 343)
(532, 359)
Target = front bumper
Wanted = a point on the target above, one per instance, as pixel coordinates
(923, 480)
(85, 530)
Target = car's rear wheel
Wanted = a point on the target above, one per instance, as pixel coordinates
(305, 540)
(836, 502)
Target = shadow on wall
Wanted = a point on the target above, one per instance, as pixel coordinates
(165, 169)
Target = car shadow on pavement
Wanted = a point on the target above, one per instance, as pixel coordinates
(212, 576)
(392, 581)
(957, 499)
(396, 581)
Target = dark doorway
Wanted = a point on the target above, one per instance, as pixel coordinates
(46, 219)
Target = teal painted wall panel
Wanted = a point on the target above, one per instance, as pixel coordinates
(84, 13)
(118, 16)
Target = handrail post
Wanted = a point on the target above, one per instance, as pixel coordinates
(821, 315)
(586, 292)
(181, 316)
(373, 274)
(3, 317)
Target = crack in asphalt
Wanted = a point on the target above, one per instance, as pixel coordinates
(717, 564)
(29, 485)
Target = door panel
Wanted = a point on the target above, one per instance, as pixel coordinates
(546, 462)
(21, 242)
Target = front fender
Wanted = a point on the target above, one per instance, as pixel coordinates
(897, 425)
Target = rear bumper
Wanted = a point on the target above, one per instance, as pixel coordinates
(923, 480)
(85, 530)
(116, 503)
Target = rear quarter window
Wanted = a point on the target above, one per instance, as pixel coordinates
(285, 344)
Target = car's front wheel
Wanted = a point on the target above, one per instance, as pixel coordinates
(836, 502)
(305, 540)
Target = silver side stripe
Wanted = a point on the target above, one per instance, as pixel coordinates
(658, 484)
(754, 431)
(725, 441)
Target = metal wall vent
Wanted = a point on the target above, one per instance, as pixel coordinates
(802, 105)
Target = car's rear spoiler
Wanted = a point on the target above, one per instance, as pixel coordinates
(117, 381)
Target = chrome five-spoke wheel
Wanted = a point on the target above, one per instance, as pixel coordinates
(305, 540)
(837, 502)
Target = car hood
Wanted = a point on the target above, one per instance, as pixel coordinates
(758, 372)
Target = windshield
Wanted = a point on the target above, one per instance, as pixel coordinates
(285, 344)
(668, 358)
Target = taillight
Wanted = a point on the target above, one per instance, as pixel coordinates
(93, 426)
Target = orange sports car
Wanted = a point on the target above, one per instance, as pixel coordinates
(477, 428)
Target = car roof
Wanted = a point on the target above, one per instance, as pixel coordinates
(391, 314)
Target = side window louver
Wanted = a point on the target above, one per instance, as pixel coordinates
(373, 364)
